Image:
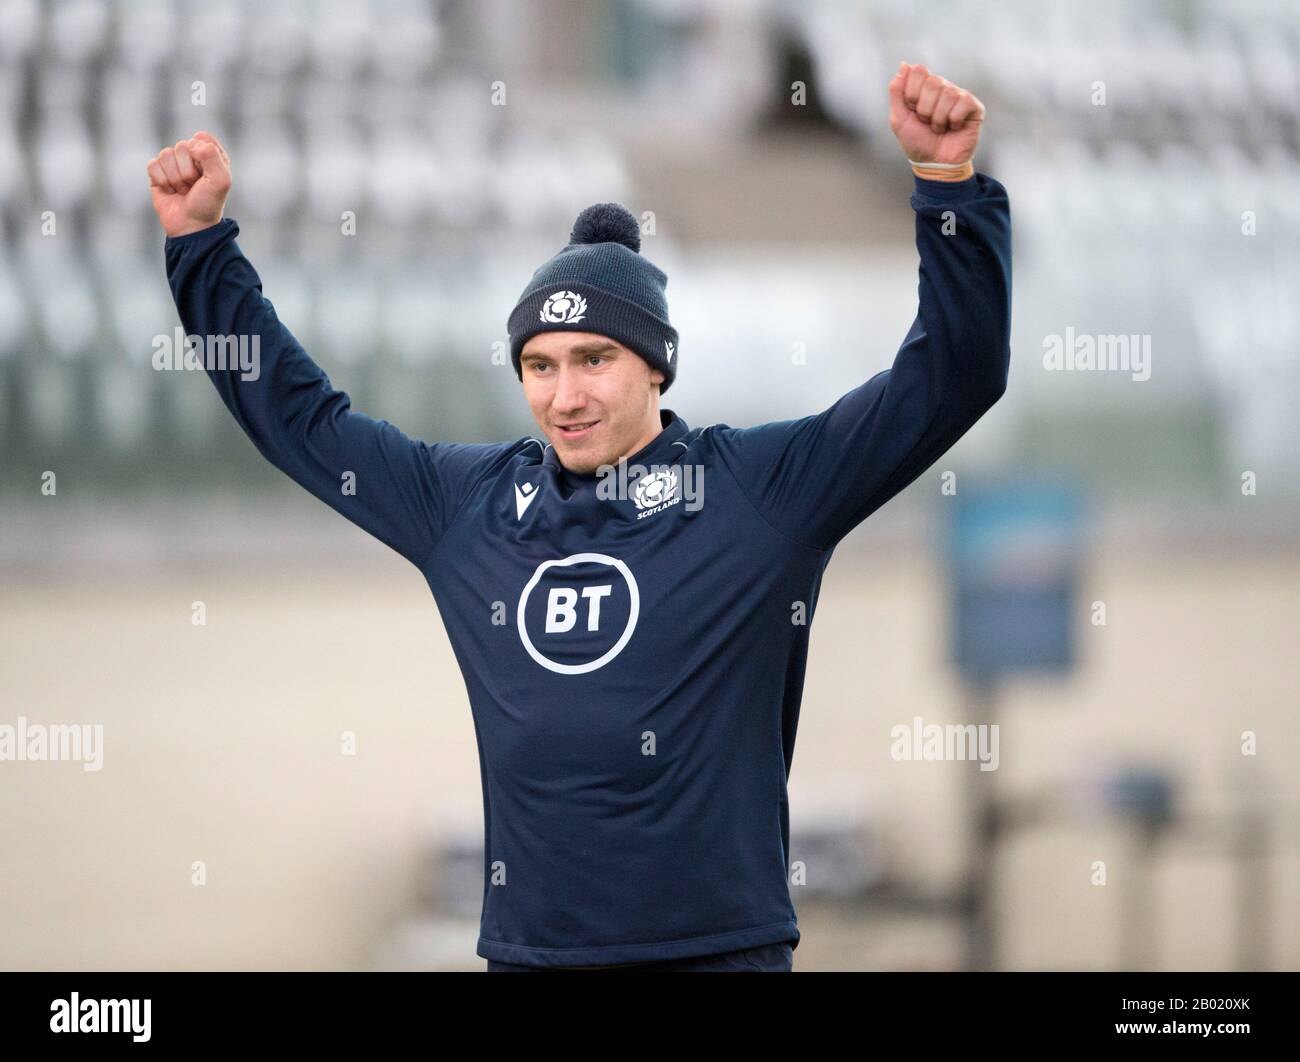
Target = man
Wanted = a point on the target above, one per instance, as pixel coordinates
(624, 600)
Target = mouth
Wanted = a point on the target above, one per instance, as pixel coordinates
(577, 430)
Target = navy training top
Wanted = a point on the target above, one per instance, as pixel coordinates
(633, 647)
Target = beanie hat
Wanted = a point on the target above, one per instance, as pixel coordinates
(600, 283)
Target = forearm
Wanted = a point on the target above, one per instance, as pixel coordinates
(952, 365)
(218, 297)
(959, 346)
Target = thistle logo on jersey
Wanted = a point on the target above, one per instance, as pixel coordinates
(655, 490)
(581, 611)
(564, 307)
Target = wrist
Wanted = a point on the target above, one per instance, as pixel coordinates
(932, 171)
(204, 237)
(192, 227)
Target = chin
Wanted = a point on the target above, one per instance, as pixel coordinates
(583, 464)
(582, 460)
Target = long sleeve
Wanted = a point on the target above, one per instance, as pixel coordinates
(402, 491)
(818, 477)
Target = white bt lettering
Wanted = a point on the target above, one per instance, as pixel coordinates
(560, 613)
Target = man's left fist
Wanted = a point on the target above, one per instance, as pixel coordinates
(934, 120)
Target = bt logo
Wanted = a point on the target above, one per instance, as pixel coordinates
(560, 613)
(578, 611)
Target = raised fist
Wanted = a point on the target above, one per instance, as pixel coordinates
(934, 120)
(189, 183)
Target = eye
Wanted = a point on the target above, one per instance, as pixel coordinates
(597, 357)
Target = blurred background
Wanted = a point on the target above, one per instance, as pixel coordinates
(1107, 566)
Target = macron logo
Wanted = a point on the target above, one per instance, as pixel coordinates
(524, 498)
(670, 349)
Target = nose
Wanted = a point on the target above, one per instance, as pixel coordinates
(569, 395)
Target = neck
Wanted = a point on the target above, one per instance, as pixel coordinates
(654, 425)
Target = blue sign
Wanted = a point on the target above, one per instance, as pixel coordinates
(1014, 552)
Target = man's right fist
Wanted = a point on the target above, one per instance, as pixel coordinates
(189, 183)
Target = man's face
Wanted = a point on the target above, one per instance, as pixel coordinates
(594, 382)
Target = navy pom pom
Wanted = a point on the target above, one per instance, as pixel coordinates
(607, 223)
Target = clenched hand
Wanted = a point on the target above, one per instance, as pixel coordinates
(933, 119)
(189, 183)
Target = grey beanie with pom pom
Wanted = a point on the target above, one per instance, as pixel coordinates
(600, 283)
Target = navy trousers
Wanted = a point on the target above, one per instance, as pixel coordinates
(766, 958)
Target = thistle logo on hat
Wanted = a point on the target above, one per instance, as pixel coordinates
(600, 283)
(564, 307)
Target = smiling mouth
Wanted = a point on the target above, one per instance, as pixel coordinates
(576, 431)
